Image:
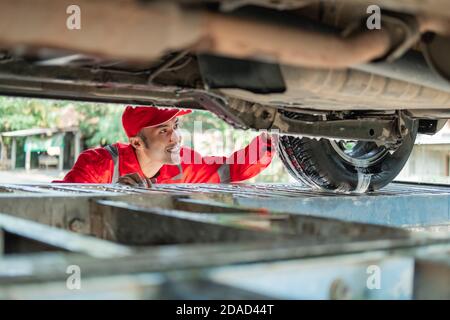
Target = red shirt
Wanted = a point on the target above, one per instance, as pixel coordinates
(97, 166)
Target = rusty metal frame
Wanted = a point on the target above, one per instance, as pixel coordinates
(187, 241)
(37, 24)
(199, 31)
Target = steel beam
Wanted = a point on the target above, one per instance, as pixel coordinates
(24, 236)
(206, 241)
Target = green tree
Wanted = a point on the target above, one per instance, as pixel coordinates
(100, 124)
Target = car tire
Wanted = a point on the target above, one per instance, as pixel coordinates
(318, 164)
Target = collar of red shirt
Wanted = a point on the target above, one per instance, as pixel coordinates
(128, 163)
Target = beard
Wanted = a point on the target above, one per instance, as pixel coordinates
(172, 154)
(174, 158)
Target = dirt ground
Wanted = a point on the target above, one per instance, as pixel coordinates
(32, 176)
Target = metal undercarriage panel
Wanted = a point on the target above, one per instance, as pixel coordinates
(42, 58)
(223, 241)
(346, 90)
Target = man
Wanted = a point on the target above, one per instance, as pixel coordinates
(154, 155)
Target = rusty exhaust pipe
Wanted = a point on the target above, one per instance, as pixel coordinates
(142, 32)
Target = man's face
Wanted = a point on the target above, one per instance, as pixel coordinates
(162, 143)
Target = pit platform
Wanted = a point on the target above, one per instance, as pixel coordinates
(238, 241)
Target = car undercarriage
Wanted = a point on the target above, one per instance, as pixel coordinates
(346, 85)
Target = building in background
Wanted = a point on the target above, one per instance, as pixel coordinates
(430, 159)
(42, 148)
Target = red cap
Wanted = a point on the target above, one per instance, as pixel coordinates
(138, 117)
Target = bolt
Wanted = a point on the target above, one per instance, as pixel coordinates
(403, 129)
(339, 290)
(265, 114)
(76, 225)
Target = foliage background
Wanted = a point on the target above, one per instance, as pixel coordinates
(100, 124)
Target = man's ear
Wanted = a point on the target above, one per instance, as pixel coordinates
(136, 142)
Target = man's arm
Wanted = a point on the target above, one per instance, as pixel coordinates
(92, 166)
(241, 165)
(250, 161)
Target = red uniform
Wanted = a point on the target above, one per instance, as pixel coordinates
(97, 165)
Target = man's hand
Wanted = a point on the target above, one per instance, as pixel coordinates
(135, 180)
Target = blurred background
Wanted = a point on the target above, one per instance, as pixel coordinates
(40, 140)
